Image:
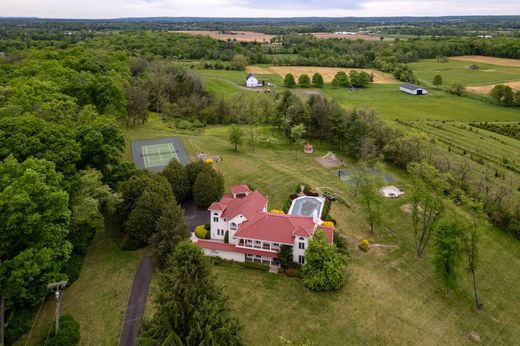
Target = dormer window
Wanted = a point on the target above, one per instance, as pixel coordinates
(215, 217)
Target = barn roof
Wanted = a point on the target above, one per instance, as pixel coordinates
(249, 75)
(411, 86)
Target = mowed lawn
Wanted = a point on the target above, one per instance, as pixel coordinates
(456, 70)
(97, 300)
(437, 105)
(223, 81)
(390, 297)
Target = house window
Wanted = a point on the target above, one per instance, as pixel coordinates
(301, 259)
(215, 218)
(301, 238)
(301, 246)
(233, 226)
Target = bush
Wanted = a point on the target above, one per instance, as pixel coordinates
(363, 245)
(226, 237)
(207, 226)
(341, 243)
(292, 272)
(201, 232)
(327, 224)
(253, 265)
(68, 334)
(276, 211)
(209, 162)
(72, 268)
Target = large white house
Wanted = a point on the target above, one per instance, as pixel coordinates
(256, 235)
(252, 81)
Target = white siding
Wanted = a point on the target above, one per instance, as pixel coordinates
(217, 225)
(239, 257)
(252, 82)
(237, 220)
(297, 252)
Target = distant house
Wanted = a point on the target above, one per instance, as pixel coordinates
(252, 81)
(413, 89)
(308, 148)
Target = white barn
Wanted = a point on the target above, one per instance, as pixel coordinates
(252, 81)
(413, 89)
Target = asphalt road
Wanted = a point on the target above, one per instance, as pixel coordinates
(193, 216)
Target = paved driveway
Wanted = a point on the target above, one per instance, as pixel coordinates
(194, 216)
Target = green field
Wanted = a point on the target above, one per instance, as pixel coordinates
(437, 105)
(455, 70)
(386, 98)
(390, 297)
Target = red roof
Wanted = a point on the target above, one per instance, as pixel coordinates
(243, 188)
(279, 228)
(308, 145)
(330, 233)
(246, 206)
(218, 245)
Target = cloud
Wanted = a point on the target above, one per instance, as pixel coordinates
(252, 8)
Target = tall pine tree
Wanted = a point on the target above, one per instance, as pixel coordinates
(191, 307)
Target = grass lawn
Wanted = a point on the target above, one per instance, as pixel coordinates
(455, 70)
(224, 81)
(389, 297)
(437, 105)
(97, 300)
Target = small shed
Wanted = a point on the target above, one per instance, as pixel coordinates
(413, 89)
(308, 148)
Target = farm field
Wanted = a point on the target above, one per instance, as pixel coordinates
(437, 105)
(488, 60)
(485, 89)
(389, 296)
(323, 35)
(240, 36)
(327, 72)
(486, 146)
(458, 70)
(97, 300)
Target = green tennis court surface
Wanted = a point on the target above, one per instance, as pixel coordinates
(156, 155)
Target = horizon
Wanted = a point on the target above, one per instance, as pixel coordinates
(248, 9)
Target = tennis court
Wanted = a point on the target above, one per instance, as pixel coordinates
(158, 154)
(155, 154)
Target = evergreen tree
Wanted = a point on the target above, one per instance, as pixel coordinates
(193, 170)
(170, 229)
(208, 187)
(304, 81)
(289, 81)
(317, 80)
(325, 268)
(191, 307)
(178, 179)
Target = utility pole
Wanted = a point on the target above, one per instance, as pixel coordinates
(58, 286)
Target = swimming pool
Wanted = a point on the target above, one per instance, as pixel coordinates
(306, 205)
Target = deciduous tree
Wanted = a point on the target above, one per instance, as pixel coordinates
(178, 179)
(289, 81)
(447, 251)
(304, 81)
(235, 136)
(317, 80)
(325, 268)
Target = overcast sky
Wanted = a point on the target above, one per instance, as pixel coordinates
(252, 8)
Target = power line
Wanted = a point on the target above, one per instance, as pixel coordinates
(36, 319)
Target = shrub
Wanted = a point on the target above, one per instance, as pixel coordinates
(253, 265)
(276, 211)
(363, 245)
(304, 80)
(289, 81)
(285, 256)
(209, 161)
(201, 232)
(293, 196)
(68, 334)
(207, 226)
(226, 237)
(292, 272)
(327, 224)
(72, 268)
(18, 323)
(341, 243)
